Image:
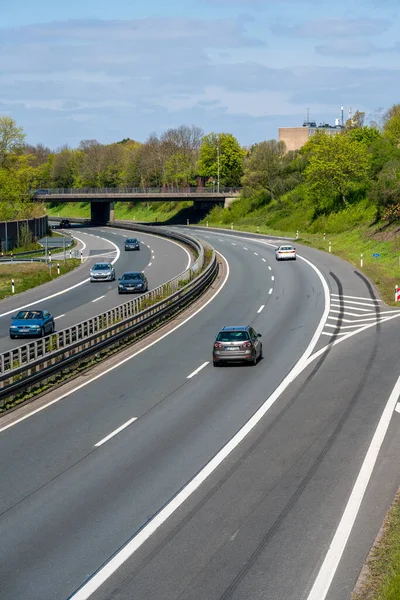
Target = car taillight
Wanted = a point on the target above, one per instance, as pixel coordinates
(247, 345)
(218, 345)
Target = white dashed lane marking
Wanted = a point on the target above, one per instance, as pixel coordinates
(261, 308)
(270, 291)
(99, 298)
(111, 435)
(197, 370)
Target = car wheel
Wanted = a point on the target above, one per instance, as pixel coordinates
(12, 337)
(261, 353)
(42, 332)
(254, 360)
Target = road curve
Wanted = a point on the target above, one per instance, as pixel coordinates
(72, 298)
(82, 477)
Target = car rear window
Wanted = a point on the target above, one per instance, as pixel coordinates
(132, 241)
(100, 266)
(131, 276)
(232, 336)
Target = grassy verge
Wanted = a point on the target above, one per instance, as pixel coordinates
(30, 275)
(381, 575)
(349, 234)
(135, 211)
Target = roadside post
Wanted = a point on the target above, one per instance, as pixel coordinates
(297, 234)
(12, 286)
(397, 294)
(70, 253)
(81, 256)
(231, 225)
(50, 256)
(330, 246)
(324, 236)
(361, 260)
(58, 268)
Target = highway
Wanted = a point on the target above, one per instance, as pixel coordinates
(72, 298)
(160, 477)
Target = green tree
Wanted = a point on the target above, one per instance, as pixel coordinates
(337, 166)
(385, 190)
(268, 171)
(12, 139)
(391, 127)
(223, 150)
(365, 135)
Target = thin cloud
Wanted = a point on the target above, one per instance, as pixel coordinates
(337, 27)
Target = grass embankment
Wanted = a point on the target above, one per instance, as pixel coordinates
(381, 577)
(351, 232)
(30, 275)
(132, 211)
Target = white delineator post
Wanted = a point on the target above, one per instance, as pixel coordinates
(330, 246)
(397, 294)
(58, 268)
(12, 286)
(361, 260)
(81, 256)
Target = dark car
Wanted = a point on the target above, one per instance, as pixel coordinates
(29, 323)
(65, 223)
(132, 244)
(240, 343)
(41, 192)
(132, 282)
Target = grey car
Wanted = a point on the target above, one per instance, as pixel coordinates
(239, 343)
(133, 281)
(132, 244)
(102, 272)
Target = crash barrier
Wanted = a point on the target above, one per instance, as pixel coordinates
(26, 366)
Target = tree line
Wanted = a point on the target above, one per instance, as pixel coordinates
(331, 172)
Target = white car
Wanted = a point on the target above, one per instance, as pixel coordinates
(285, 253)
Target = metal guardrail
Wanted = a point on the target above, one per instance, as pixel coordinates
(149, 190)
(38, 360)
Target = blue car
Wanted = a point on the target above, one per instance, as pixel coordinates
(27, 323)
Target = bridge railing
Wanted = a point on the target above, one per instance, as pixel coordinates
(141, 190)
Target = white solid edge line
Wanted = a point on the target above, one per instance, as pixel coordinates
(66, 289)
(85, 383)
(397, 409)
(198, 370)
(126, 552)
(113, 433)
(270, 290)
(261, 308)
(327, 571)
(99, 298)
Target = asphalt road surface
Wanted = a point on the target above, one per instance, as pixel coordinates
(164, 478)
(72, 298)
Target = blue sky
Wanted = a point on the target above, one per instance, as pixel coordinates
(92, 69)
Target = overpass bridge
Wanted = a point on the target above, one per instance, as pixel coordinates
(102, 199)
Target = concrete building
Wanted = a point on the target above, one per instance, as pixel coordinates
(296, 137)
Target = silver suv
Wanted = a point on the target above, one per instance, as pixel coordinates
(102, 272)
(237, 344)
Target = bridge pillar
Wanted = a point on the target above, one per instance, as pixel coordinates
(228, 201)
(100, 212)
(112, 213)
